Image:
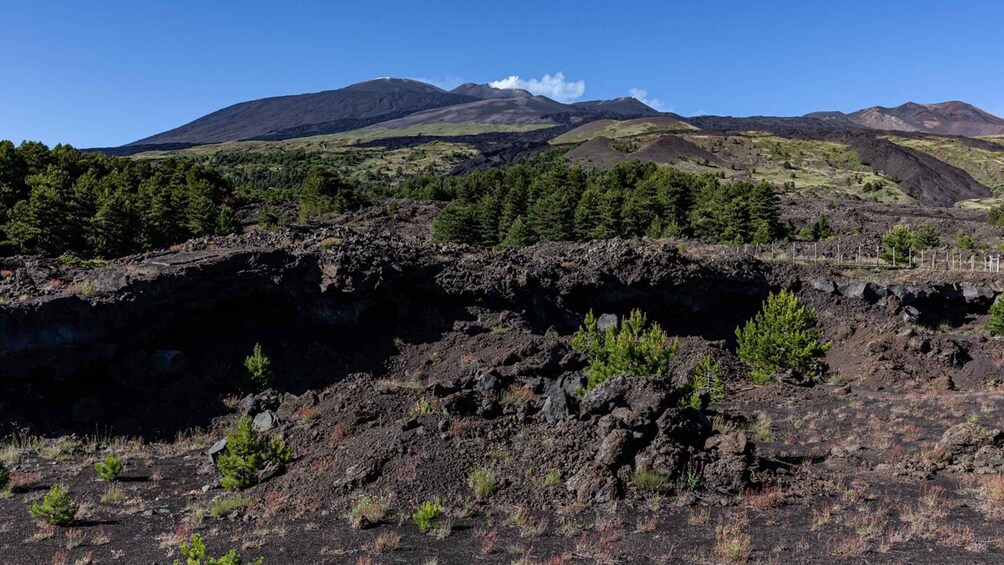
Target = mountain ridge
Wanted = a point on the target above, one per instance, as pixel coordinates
(395, 103)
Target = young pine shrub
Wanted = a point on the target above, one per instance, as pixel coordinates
(247, 453)
(996, 323)
(427, 515)
(782, 337)
(259, 368)
(633, 348)
(194, 553)
(705, 378)
(56, 507)
(109, 468)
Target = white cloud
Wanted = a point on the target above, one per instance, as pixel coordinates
(642, 95)
(553, 86)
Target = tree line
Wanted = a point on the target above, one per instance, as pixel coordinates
(547, 199)
(59, 200)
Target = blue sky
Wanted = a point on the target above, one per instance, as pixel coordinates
(106, 73)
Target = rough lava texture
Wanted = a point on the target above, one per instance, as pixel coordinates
(401, 366)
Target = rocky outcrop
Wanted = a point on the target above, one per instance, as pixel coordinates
(966, 447)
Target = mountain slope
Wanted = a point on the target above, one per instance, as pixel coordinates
(931, 181)
(331, 111)
(614, 129)
(625, 106)
(505, 111)
(947, 118)
(489, 92)
(672, 150)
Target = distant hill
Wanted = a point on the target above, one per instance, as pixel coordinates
(331, 111)
(946, 118)
(663, 150)
(623, 128)
(625, 106)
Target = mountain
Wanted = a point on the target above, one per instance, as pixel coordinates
(390, 103)
(625, 106)
(489, 92)
(535, 110)
(331, 111)
(946, 118)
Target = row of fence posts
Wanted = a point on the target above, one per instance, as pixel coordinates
(933, 259)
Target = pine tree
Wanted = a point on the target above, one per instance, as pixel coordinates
(456, 223)
(926, 237)
(550, 217)
(519, 235)
(226, 221)
(782, 336)
(44, 223)
(996, 323)
(114, 229)
(324, 192)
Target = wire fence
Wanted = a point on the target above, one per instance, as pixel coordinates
(869, 256)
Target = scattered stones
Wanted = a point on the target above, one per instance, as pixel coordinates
(606, 321)
(909, 314)
(613, 448)
(977, 294)
(487, 381)
(828, 287)
(217, 448)
(959, 445)
(265, 421)
(863, 291)
(253, 404)
(593, 483)
(556, 404)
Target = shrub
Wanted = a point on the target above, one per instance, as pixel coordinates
(367, 512)
(926, 237)
(4, 477)
(629, 349)
(194, 553)
(56, 507)
(965, 241)
(247, 453)
(552, 477)
(227, 505)
(996, 324)
(782, 337)
(427, 515)
(995, 216)
(705, 378)
(421, 406)
(482, 481)
(110, 468)
(113, 495)
(648, 481)
(259, 368)
(898, 239)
